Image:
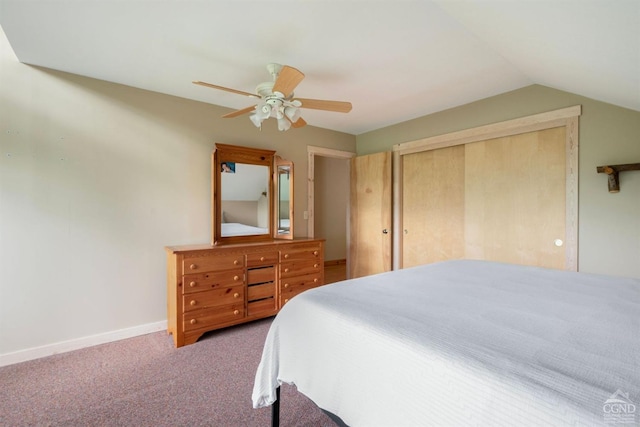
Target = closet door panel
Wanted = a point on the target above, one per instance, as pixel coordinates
(433, 206)
(515, 199)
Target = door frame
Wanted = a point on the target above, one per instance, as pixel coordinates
(567, 117)
(312, 152)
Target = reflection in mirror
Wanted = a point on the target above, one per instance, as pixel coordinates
(244, 199)
(284, 199)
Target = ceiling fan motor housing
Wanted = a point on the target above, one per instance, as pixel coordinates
(265, 89)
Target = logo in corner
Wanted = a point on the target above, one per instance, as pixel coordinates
(619, 409)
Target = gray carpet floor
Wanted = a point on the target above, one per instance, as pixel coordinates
(145, 381)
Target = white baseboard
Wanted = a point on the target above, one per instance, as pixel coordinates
(78, 343)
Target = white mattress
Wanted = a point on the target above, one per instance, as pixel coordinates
(236, 229)
(459, 343)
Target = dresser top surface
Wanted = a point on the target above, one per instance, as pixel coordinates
(206, 246)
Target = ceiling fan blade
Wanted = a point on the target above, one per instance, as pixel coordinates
(239, 92)
(239, 112)
(287, 80)
(319, 104)
(298, 123)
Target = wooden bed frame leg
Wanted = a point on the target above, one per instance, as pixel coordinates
(275, 410)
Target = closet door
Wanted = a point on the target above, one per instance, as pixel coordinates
(500, 199)
(433, 206)
(515, 199)
(370, 215)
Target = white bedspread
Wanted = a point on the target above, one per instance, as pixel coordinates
(236, 229)
(459, 343)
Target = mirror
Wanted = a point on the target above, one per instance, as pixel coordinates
(284, 199)
(242, 200)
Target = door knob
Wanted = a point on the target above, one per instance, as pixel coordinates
(385, 231)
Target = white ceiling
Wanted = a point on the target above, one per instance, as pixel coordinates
(394, 60)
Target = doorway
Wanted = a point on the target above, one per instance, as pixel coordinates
(328, 201)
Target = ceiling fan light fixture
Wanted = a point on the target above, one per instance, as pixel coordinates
(283, 124)
(263, 110)
(292, 113)
(256, 120)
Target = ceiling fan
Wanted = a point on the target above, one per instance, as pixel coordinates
(277, 101)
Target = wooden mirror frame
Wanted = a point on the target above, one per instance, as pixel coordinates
(243, 155)
(280, 165)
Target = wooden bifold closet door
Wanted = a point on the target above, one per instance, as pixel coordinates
(501, 199)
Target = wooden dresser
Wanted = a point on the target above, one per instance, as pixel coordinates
(212, 287)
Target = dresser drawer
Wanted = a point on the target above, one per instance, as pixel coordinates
(212, 263)
(261, 275)
(292, 287)
(212, 316)
(201, 282)
(213, 298)
(302, 252)
(263, 307)
(262, 258)
(262, 291)
(298, 268)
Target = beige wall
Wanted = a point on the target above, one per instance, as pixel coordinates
(95, 179)
(609, 224)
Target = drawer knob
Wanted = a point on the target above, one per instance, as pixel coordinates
(193, 321)
(261, 258)
(236, 312)
(286, 300)
(236, 295)
(286, 256)
(286, 270)
(315, 265)
(315, 252)
(315, 280)
(236, 262)
(193, 284)
(193, 266)
(193, 302)
(286, 285)
(235, 277)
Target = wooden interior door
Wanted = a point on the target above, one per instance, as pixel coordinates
(433, 206)
(370, 242)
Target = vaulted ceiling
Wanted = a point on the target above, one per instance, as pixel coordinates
(393, 60)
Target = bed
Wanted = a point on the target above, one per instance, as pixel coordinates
(229, 229)
(461, 343)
